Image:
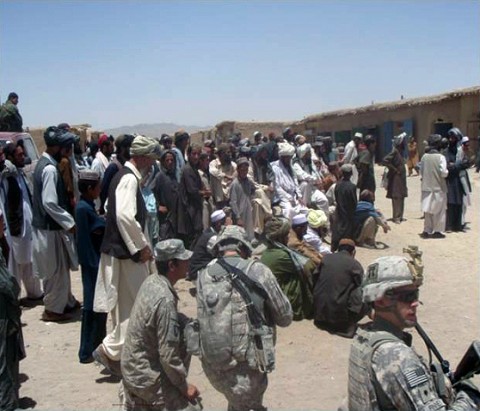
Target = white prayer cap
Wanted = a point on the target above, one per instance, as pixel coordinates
(217, 216)
(285, 149)
(346, 168)
(465, 139)
(299, 219)
(303, 149)
(358, 135)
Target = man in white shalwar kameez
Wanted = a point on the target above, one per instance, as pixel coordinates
(54, 252)
(351, 153)
(286, 186)
(16, 198)
(242, 192)
(309, 178)
(433, 170)
(102, 158)
(126, 257)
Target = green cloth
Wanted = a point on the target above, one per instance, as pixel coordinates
(290, 281)
(10, 118)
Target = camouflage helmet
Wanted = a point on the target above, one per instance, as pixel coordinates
(387, 273)
(229, 238)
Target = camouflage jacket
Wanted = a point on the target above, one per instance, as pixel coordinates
(385, 373)
(153, 359)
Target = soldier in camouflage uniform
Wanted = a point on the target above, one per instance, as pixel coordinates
(241, 381)
(385, 372)
(154, 361)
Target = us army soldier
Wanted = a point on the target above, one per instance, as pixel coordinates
(237, 345)
(154, 363)
(385, 373)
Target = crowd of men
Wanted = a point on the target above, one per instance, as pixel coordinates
(247, 223)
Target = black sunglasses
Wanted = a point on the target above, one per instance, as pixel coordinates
(404, 296)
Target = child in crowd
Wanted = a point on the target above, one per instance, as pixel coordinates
(90, 229)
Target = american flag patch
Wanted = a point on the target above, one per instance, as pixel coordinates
(416, 377)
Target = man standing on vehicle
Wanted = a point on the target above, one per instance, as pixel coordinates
(10, 118)
(385, 372)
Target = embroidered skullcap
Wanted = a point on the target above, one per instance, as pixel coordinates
(346, 168)
(241, 161)
(299, 219)
(217, 215)
(145, 146)
(285, 149)
(303, 150)
(88, 175)
(317, 218)
(277, 228)
(358, 135)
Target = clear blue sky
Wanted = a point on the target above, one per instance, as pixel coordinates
(114, 63)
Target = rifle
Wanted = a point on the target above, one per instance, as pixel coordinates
(468, 366)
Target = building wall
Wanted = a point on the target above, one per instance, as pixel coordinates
(462, 112)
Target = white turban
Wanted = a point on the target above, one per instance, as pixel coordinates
(303, 149)
(285, 149)
(397, 140)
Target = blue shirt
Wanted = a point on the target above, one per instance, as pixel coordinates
(87, 221)
(364, 210)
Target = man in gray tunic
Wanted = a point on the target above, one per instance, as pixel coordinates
(385, 372)
(228, 336)
(154, 362)
(54, 251)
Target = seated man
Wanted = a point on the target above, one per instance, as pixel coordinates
(316, 231)
(201, 256)
(292, 270)
(367, 219)
(337, 295)
(296, 239)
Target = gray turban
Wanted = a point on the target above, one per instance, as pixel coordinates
(55, 136)
(347, 168)
(145, 146)
(285, 149)
(277, 229)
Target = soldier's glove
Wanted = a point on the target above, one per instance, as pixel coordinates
(469, 388)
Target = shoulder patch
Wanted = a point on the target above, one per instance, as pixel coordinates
(372, 272)
(416, 377)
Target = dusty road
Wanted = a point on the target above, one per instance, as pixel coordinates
(312, 365)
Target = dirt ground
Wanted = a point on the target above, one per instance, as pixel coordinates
(312, 365)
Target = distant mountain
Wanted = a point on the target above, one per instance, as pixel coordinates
(154, 130)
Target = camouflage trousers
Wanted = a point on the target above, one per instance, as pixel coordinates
(132, 402)
(242, 386)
